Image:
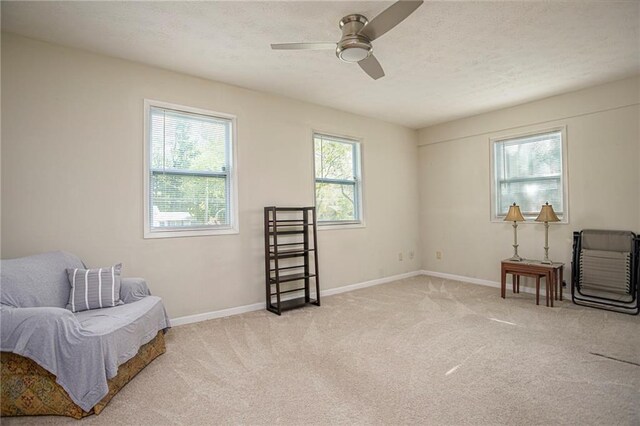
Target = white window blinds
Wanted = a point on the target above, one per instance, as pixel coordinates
(528, 171)
(189, 170)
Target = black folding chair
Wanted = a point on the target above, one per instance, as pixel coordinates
(605, 270)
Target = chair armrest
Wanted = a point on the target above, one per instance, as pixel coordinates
(133, 289)
(37, 314)
(19, 322)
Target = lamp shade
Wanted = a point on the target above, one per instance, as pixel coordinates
(514, 214)
(547, 214)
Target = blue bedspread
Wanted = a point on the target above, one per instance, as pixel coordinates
(83, 350)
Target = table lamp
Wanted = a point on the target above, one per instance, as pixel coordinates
(514, 215)
(547, 215)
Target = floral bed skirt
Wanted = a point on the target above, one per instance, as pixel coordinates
(30, 390)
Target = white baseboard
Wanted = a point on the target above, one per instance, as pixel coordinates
(259, 306)
(496, 284)
(216, 314)
(371, 283)
(461, 278)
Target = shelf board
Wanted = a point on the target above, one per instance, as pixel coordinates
(290, 223)
(301, 243)
(289, 304)
(288, 291)
(282, 268)
(289, 209)
(283, 254)
(291, 277)
(301, 231)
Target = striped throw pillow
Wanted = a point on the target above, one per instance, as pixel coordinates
(94, 288)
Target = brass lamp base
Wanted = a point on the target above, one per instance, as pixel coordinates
(516, 257)
(546, 259)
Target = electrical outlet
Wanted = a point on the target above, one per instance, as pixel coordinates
(439, 255)
(400, 256)
(411, 254)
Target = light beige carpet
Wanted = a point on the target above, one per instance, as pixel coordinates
(419, 351)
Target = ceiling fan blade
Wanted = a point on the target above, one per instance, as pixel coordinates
(372, 67)
(389, 18)
(303, 46)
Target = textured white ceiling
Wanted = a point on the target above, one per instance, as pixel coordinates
(447, 60)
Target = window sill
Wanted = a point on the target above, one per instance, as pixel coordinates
(336, 225)
(189, 233)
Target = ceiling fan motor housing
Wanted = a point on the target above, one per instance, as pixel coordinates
(353, 47)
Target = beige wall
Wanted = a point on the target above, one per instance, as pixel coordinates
(603, 170)
(72, 141)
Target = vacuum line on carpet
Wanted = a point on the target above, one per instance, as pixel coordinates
(506, 322)
(452, 370)
(615, 359)
(465, 360)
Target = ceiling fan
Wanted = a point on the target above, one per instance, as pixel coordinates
(358, 33)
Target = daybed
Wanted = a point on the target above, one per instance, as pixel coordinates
(56, 362)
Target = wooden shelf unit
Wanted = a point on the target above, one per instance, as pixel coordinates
(290, 236)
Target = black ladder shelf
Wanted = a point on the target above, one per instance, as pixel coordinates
(290, 237)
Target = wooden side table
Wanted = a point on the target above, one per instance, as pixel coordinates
(553, 273)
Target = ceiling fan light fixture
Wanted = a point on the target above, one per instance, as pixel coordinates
(357, 35)
(353, 48)
(354, 54)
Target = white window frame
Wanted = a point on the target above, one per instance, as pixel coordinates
(564, 217)
(358, 181)
(233, 227)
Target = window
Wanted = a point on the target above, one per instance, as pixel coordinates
(189, 174)
(529, 170)
(338, 184)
